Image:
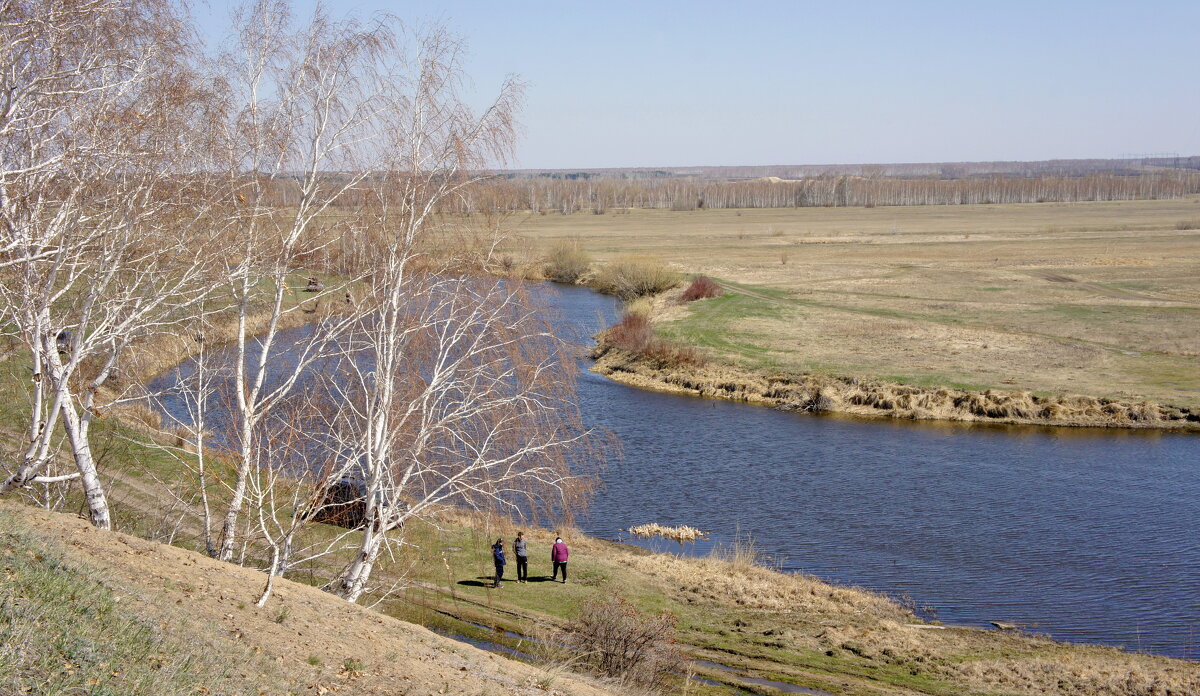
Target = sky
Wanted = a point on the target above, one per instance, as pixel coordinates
(759, 82)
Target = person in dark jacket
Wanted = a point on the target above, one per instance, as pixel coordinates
(521, 548)
(558, 556)
(498, 559)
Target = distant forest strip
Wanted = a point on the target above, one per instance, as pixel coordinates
(598, 195)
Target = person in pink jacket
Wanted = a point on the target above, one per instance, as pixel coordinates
(558, 556)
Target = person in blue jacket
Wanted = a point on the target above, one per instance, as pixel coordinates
(498, 559)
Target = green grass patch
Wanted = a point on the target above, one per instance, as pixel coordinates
(939, 380)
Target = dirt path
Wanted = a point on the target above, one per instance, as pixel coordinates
(1106, 291)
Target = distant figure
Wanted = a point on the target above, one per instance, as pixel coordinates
(520, 548)
(314, 285)
(558, 556)
(498, 559)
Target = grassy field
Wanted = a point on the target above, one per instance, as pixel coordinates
(1100, 299)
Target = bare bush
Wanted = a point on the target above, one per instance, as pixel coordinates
(630, 276)
(702, 288)
(618, 641)
(635, 334)
(567, 262)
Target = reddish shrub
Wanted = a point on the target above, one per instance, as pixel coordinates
(632, 333)
(702, 288)
(635, 335)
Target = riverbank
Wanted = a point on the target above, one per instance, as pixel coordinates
(1098, 299)
(819, 393)
(739, 622)
(732, 612)
(742, 626)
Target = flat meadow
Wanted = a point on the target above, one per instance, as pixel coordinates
(1095, 298)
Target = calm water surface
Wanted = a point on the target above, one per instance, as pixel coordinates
(1089, 536)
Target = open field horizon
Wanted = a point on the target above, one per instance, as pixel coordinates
(1097, 298)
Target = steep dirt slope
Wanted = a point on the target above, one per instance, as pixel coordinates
(303, 642)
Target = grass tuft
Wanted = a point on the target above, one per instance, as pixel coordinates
(632, 276)
(567, 262)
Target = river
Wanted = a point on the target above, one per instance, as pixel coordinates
(1084, 535)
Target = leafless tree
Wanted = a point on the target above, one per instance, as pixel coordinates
(97, 210)
(305, 106)
(458, 393)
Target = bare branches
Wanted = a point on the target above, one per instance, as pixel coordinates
(139, 195)
(96, 233)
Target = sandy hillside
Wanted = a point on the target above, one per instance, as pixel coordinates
(303, 642)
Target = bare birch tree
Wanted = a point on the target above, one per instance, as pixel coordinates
(305, 109)
(458, 392)
(97, 212)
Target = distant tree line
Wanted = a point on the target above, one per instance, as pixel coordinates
(1129, 165)
(599, 195)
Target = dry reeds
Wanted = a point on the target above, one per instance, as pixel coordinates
(632, 276)
(682, 534)
(566, 262)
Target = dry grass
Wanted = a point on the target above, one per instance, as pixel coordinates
(732, 581)
(632, 276)
(200, 624)
(566, 262)
(1100, 299)
(682, 533)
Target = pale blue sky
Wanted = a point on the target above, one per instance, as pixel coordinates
(618, 83)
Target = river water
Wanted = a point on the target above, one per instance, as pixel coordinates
(1085, 535)
(1088, 536)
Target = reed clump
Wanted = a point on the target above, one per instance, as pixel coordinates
(566, 262)
(682, 533)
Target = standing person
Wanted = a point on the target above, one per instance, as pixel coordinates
(558, 556)
(498, 559)
(520, 548)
